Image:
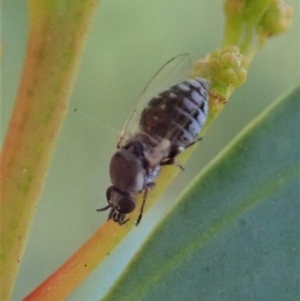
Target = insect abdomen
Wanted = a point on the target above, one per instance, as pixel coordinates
(178, 113)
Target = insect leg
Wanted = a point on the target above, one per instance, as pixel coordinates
(126, 220)
(143, 205)
(172, 161)
(194, 142)
(103, 209)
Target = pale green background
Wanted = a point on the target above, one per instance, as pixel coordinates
(129, 41)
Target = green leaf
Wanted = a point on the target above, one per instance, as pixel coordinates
(234, 234)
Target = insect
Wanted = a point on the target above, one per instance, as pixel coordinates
(168, 123)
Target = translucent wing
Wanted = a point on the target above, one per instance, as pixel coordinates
(172, 72)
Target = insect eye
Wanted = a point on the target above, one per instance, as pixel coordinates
(126, 204)
(109, 192)
(123, 202)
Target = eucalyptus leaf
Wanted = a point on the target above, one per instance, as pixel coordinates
(234, 234)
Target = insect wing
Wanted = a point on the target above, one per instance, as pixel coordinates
(172, 72)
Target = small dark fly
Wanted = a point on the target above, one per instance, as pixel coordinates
(163, 123)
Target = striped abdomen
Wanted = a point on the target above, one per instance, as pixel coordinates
(178, 113)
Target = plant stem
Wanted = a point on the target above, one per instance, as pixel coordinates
(57, 32)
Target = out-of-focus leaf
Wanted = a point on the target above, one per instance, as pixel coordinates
(234, 234)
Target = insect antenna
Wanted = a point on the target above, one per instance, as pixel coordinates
(104, 208)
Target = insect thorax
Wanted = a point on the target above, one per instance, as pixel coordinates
(154, 149)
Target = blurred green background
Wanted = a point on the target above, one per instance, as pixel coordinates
(129, 41)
